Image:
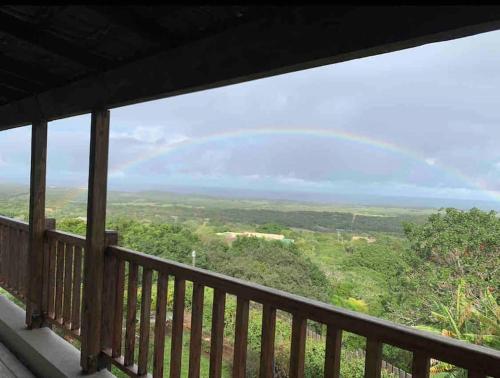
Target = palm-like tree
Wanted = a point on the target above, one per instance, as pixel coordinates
(475, 320)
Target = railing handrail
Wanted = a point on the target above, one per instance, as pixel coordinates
(14, 223)
(66, 237)
(456, 352)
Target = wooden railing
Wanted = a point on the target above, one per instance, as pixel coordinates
(129, 274)
(477, 360)
(14, 257)
(63, 283)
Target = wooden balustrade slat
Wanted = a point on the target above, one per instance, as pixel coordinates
(19, 263)
(131, 314)
(108, 298)
(11, 257)
(217, 334)
(77, 289)
(118, 313)
(373, 358)
(51, 278)
(2, 252)
(59, 281)
(17, 267)
(196, 330)
(49, 224)
(267, 341)
(68, 280)
(240, 338)
(10, 241)
(5, 246)
(45, 282)
(15, 258)
(177, 328)
(7, 256)
(142, 366)
(160, 325)
(333, 351)
(420, 365)
(298, 346)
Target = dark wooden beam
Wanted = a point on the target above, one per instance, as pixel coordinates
(143, 27)
(259, 49)
(95, 243)
(33, 73)
(34, 316)
(7, 92)
(45, 40)
(18, 83)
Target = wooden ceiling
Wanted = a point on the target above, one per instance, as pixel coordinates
(58, 61)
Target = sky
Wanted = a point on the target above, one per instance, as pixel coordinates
(422, 122)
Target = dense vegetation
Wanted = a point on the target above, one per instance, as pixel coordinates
(439, 273)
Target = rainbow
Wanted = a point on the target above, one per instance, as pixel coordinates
(184, 143)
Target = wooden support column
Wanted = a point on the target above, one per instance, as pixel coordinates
(34, 314)
(91, 359)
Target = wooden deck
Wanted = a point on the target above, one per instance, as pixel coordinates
(10, 366)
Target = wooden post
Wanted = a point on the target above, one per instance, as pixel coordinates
(93, 271)
(34, 314)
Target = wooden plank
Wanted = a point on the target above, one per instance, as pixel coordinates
(68, 281)
(8, 254)
(118, 320)
(142, 365)
(51, 278)
(298, 346)
(108, 297)
(267, 341)
(93, 275)
(77, 289)
(108, 294)
(217, 335)
(15, 260)
(240, 338)
(373, 358)
(196, 330)
(160, 325)
(333, 351)
(49, 224)
(59, 281)
(2, 252)
(34, 315)
(420, 365)
(131, 315)
(28, 32)
(177, 328)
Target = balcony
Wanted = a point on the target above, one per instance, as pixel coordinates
(134, 332)
(112, 302)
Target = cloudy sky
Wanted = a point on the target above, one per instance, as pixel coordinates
(423, 122)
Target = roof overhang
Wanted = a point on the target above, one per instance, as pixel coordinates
(255, 50)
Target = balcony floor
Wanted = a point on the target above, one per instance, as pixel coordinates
(10, 366)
